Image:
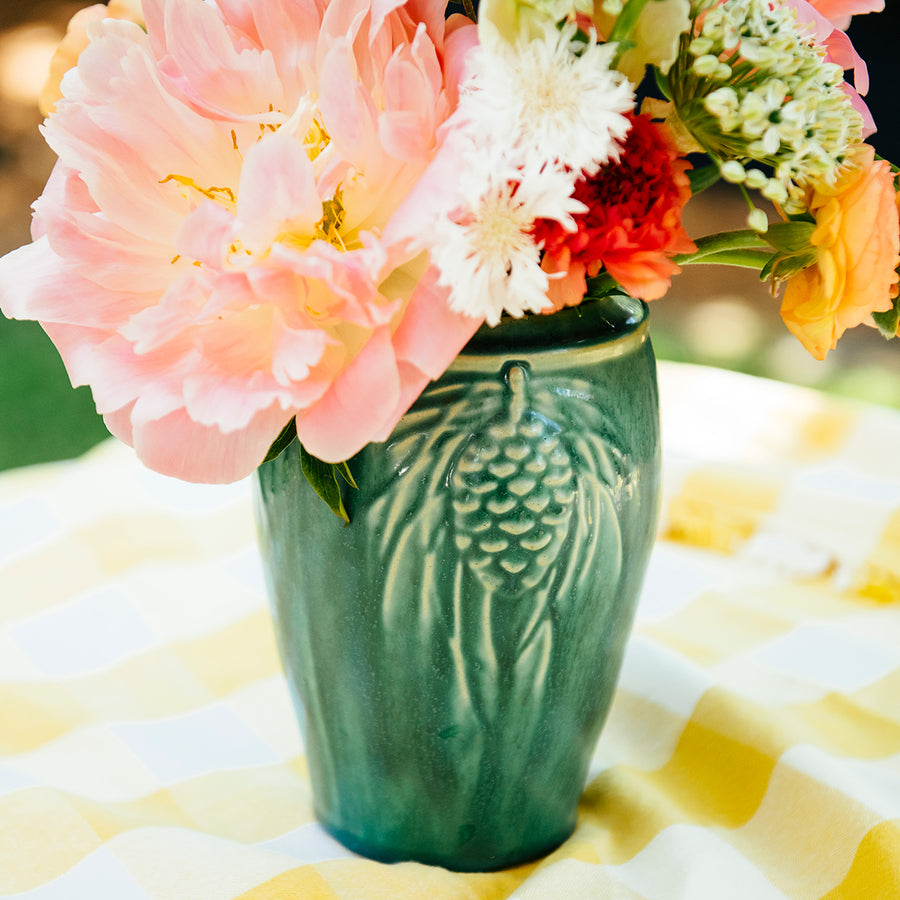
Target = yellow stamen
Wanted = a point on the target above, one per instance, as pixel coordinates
(219, 194)
(333, 215)
(316, 140)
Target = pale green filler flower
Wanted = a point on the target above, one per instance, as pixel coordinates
(753, 87)
(734, 172)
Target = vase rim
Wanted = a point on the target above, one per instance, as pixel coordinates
(600, 327)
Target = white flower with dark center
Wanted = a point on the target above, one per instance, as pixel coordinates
(485, 249)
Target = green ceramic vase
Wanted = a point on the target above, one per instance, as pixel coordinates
(453, 651)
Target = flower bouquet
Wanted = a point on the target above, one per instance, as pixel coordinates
(274, 223)
(299, 212)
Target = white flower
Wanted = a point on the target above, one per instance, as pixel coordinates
(485, 249)
(531, 118)
(552, 97)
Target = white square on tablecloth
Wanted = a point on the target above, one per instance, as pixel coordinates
(99, 876)
(25, 524)
(687, 862)
(93, 631)
(676, 576)
(204, 740)
(825, 654)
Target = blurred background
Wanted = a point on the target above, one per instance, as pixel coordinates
(715, 316)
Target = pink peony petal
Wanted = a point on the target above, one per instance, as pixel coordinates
(435, 190)
(382, 9)
(176, 445)
(205, 236)
(412, 382)
(277, 193)
(109, 365)
(408, 124)
(29, 282)
(840, 11)
(840, 49)
(364, 394)
(431, 334)
(298, 352)
(859, 105)
(348, 112)
(119, 424)
(201, 58)
(102, 252)
(341, 21)
(36, 283)
(460, 41)
(283, 27)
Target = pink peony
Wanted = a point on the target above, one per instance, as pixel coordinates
(841, 11)
(208, 252)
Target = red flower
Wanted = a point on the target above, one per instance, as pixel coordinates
(633, 223)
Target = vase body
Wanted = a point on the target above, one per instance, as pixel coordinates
(453, 651)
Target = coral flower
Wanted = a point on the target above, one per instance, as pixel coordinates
(208, 252)
(857, 239)
(633, 224)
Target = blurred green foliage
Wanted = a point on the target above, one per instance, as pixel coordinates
(41, 417)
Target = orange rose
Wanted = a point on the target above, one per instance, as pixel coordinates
(857, 239)
(66, 54)
(895, 290)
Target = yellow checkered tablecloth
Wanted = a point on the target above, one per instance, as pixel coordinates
(148, 750)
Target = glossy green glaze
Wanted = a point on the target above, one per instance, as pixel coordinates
(454, 650)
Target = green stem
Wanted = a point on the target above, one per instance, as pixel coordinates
(626, 20)
(723, 241)
(745, 259)
(745, 249)
(621, 31)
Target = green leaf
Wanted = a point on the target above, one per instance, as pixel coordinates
(344, 471)
(791, 237)
(783, 266)
(889, 322)
(745, 259)
(323, 477)
(715, 244)
(702, 178)
(283, 441)
(662, 82)
(625, 23)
